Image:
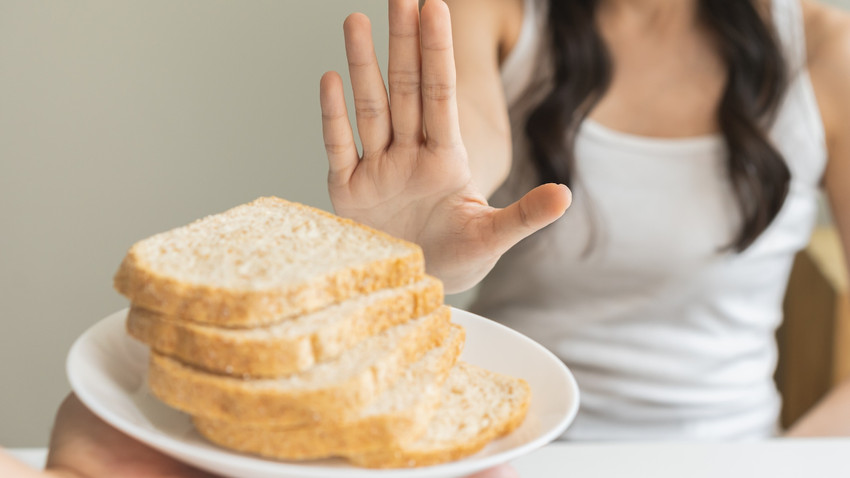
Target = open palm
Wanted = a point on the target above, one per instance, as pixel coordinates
(412, 178)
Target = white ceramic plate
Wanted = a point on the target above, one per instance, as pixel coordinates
(107, 369)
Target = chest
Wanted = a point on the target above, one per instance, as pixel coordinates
(667, 88)
(649, 210)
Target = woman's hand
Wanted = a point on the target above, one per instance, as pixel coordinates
(83, 446)
(413, 179)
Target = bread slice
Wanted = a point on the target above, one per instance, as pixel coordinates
(289, 346)
(477, 406)
(401, 414)
(332, 390)
(261, 262)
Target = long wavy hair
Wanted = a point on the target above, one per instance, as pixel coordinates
(755, 82)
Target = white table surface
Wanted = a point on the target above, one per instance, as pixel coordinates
(803, 458)
(817, 458)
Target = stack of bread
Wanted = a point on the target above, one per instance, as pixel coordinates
(288, 332)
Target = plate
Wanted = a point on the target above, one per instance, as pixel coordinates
(107, 369)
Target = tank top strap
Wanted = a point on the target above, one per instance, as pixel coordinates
(788, 24)
(799, 126)
(518, 68)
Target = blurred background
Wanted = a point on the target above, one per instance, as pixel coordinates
(121, 119)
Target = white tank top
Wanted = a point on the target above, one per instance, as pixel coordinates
(669, 336)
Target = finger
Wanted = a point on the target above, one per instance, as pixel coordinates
(370, 96)
(336, 130)
(439, 104)
(404, 72)
(538, 208)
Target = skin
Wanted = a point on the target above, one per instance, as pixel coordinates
(439, 145)
(84, 446)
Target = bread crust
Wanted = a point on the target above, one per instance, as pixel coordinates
(232, 352)
(325, 439)
(200, 393)
(408, 456)
(150, 289)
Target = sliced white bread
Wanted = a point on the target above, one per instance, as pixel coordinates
(401, 414)
(291, 345)
(332, 390)
(263, 261)
(477, 407)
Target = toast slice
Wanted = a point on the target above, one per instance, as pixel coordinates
(477, 407)
(263, 261)
(291, 345)
(332, 390)
(401, 414)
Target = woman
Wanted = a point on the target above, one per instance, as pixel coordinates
(694, 135)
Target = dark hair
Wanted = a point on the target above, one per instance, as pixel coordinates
(756, 78)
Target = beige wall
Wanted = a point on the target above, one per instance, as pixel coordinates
(119, 119)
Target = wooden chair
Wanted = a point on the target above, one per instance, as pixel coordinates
(814, 340)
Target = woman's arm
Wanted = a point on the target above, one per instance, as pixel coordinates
(828, 35)
(830, 417)
(484, 31)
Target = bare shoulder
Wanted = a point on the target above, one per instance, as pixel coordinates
(827, 31)
(499, 20)
(828, 49)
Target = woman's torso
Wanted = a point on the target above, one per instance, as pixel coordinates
(669, 336)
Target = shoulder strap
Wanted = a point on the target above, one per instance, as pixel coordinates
(788, 24)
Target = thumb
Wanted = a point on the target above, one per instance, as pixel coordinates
(538, 208)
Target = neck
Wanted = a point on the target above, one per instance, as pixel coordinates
(650, 14)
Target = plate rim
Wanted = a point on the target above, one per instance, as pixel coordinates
(179, 450)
